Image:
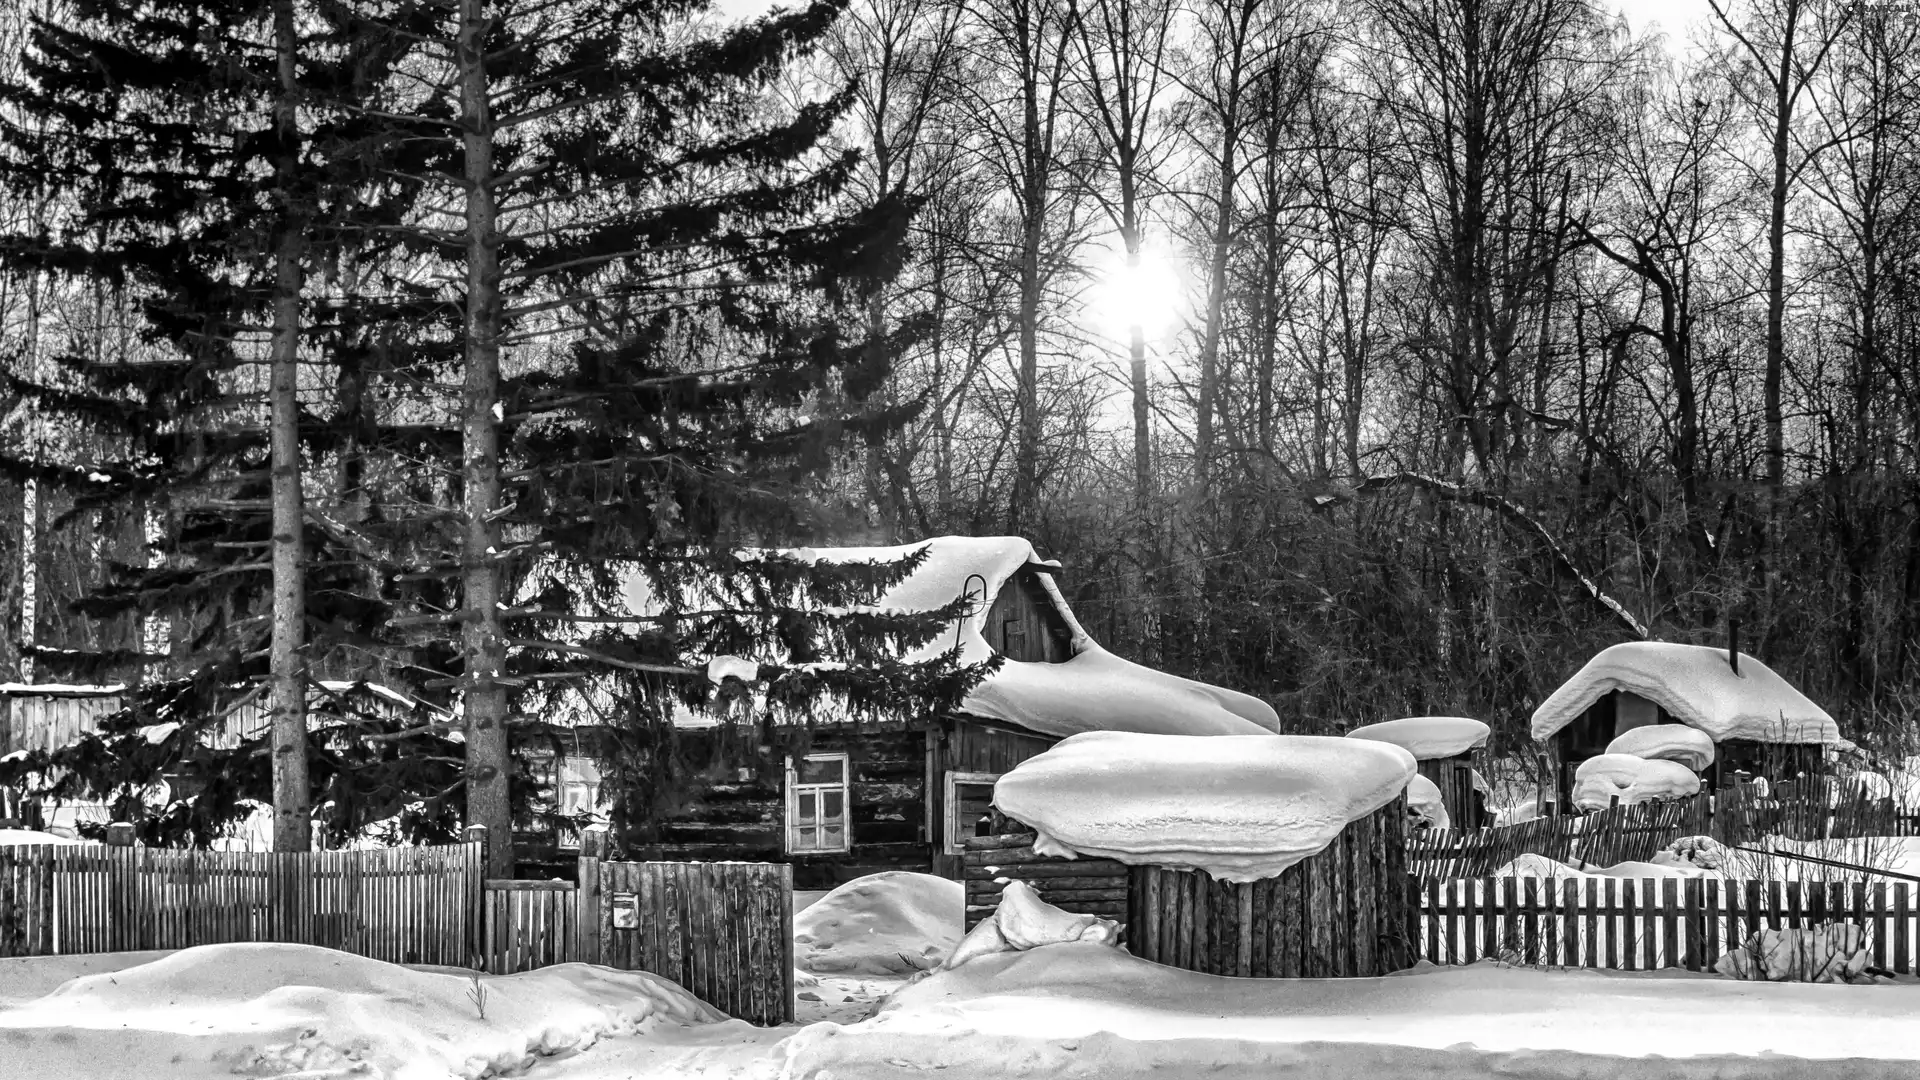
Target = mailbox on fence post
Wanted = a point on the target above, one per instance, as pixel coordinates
(626, 911)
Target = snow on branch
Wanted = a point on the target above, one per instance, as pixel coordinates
(1516, 514)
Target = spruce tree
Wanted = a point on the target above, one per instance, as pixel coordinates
(207, 164)
(660, 301)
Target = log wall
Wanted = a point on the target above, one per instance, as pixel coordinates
(1347, 912)
(1084, 886)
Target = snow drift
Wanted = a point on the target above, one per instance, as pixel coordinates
(1093, 690)
(1666, 742)
(1241, 808)
(1084, 1011)
(1633, 779)
(269, 1010)
(1830, 952)
(895, 923)
(1424, 803)
(1023, 921)
(1428, 737)
(1697, 687)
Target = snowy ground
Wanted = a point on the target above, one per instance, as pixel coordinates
(296, 1010)
(1078, 1011)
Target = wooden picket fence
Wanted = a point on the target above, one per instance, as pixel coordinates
(1638, 925)
(724, 931)
(1808, 809)
(1603, 838)
(402, 905)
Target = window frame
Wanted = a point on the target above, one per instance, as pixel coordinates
(950, 842)
(795, 789)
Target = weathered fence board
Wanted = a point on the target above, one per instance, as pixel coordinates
(1642, 924)
(403, 905)
(724, 931)
(1345, 912)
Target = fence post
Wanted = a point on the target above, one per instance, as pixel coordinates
(593, 848)
(477, 948)
(122, 880)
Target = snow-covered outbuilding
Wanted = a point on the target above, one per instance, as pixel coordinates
(1756, 721)
(1447, 749)
(903, 793)
(1276, 856)
(49, 716)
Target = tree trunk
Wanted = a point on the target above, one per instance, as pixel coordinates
(483, 643)
(1033, 208)
(292, 795)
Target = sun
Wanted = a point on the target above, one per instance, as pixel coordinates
(1149, 294)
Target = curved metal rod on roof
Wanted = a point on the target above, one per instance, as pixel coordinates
(966, 593)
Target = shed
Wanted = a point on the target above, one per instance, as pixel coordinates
(841, 799)
(1260, 857)
(1758, 722)
(1446, 749)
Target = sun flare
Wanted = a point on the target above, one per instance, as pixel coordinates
(1151, 294)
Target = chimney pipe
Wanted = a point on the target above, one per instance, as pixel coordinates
(1733, 645)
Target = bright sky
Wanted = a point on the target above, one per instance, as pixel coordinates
(1675, 17)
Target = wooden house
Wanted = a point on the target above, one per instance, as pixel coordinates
(44, 716)
(1446, 750)
(1760, 724)
(842, 799)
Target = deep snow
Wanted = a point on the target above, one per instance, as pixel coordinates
(1241, 808)
(890, 924)
(291, 1010)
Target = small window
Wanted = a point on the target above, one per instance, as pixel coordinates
(817, 804)
(577, 786)
(969, 798)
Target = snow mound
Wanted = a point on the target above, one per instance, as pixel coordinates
(1831, 952)
(271, 1010)
(1539, 866)
(1703, 852)
(1655, 869)
(1241, 808)
(1424, 803)
(1428, 737)
(1023, 921)
(1666, 742)
(895, 923)
(32, 838)
(1633, 779)
(1098, 691)
(1697, 686)
(1082, 1011)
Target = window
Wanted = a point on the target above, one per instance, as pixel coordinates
(817, 804)
(576, 786)
(969, 798)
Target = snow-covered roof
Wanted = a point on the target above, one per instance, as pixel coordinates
(1428, 737)
(1633, 779)
(1094, 690)
(1670, 742)
(1697, 686)
(1240, 807)
(61, 689)
(1424, 802)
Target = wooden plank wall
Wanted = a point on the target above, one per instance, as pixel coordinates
(745, 819)
(1084, 886)
(1346, 912)
(402, 905)
(724, 931)
(1639, 925)
(1454, 777)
